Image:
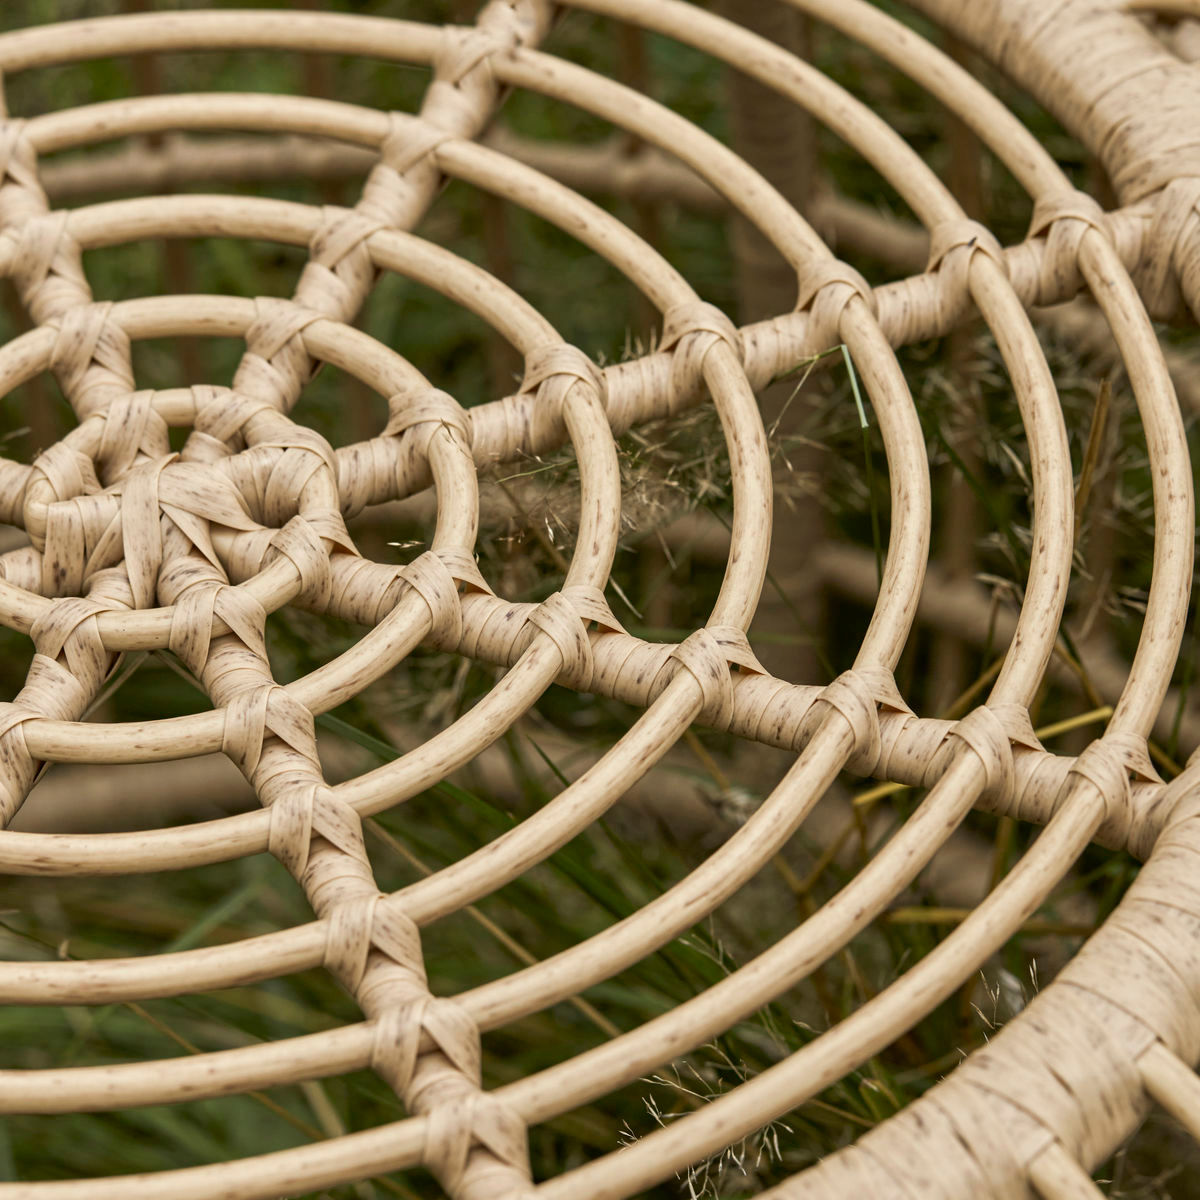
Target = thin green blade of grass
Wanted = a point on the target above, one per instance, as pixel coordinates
(868, 458)
(219, 914)
(699, 963)
(564, 862)
(985, 497)
(1091, 453)
(688, 967)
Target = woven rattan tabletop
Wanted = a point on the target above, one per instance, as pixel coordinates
(180, 521)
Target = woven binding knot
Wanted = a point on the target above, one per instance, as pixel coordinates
(90, 356)
(302, 813)
(407, 169)
(1064, 219)
(130, 428)
(461, 1125)
(839, 279)
(60, 473)
(1108, 765)
(277, 363)
(73, 528)
(1169, 263)
(339, 267)
(18, 158)
(990, 731)
(196, 611)
(692, 329)
(349, 934)
(289, 471)
(141, 530)
(464, 48)
(302, 543)
(858, 695)
(260, 711)
(51, 690)
(1067, 206)
(15, 780)
(563, 617)
(463, 85)
(418, 1023)
(48, 266)
(196, 500)
(949, 236)
(707, 655)
(435, 581)
(824, 289)
(69, 627)
(221, 415)
(426, 413)
(554, 370)
(341, 232)
(410, 140)
(954, 244)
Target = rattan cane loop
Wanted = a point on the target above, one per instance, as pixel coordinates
(1107, 764)
(857, 695)
(690, 329)
(1169, 263)
(435, 581)
(826, 287)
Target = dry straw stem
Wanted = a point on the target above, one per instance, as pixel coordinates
(135, 548)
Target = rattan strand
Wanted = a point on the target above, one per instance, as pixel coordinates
(132, 547)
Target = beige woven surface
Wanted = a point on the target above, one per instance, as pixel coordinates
(133, 547)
